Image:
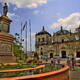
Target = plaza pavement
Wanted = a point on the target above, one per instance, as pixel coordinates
(74, 74)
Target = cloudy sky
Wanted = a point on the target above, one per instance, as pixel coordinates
(49, 13)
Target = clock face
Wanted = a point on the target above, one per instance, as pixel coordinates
(5, 48)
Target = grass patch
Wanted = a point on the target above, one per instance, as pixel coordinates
(18, 66)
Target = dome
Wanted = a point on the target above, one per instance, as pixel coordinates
(78, 29)
(43, 32)
(62, 32)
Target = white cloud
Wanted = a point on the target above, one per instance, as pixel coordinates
(33, 34)
(70, 22)
(15, 8)
(36, 12)
(11, 14)
(26, 3)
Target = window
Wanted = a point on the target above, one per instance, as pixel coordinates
(41, 48)
(39, 39)
(62, 40)
(78, 54)
(41, 53)
(43, 39)
(51, 55)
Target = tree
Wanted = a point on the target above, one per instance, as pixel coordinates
(17, 46)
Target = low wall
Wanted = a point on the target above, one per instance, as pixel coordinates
(62, 74)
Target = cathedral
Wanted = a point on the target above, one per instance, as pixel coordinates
(61, 44)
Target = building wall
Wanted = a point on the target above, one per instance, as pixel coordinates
(70, 46)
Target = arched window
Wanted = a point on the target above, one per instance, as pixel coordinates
(42, 39)
(62, 40)
(41, 48)
(78, 54)
(39, 39)
(41, 53)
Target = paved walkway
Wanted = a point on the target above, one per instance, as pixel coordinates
(75, 74)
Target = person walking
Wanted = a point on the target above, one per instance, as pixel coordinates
(51, 60)
(73, 63)
(69, 62)
(58, 60)
(54, 61)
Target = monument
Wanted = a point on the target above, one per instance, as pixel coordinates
(6, 39)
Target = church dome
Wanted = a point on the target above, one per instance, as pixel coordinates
(62, 32)
(43, 32)
(78, 29)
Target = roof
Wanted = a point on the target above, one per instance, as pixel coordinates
(42, 32)
(61, 32)
(77, 29)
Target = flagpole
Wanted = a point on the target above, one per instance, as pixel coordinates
(26, 38)
(30, 36)
(21, 39)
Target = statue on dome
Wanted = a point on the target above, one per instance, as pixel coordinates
(5, 9)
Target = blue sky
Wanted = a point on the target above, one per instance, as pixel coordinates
(49, 13)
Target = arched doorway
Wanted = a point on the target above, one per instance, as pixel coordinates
(63, 54)
(62, 40)
(51, 55)
(78, 55)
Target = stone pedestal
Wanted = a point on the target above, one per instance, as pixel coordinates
(6, 41)
(5, 24)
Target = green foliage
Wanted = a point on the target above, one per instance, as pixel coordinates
(17, 48)
(37, 71)
(18, 66)
(2, 64)
(32, 63)
(20, 61)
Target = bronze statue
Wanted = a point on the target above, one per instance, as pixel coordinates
(5, 9)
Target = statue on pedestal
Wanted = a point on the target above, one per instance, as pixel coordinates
(5, 9)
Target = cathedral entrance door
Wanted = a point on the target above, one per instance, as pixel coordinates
(51, 55)
(78, 54)
(63, 54)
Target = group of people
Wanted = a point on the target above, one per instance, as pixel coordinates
(70, 61)
(54, 60)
